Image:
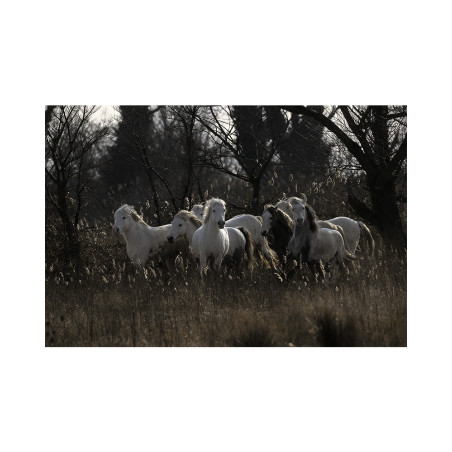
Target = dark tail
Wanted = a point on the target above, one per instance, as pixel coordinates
(368, 238)
(249, 245)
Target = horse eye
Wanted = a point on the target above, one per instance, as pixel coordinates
(213, 210)
(123, 218)
(180, 225)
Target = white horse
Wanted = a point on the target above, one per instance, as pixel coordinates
(351, 230)
(185, 224)
(144, 242)
(252, 223)
(312, 243)
(198, 211)
(213, 240)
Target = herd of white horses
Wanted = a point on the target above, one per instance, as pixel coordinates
(286, 235)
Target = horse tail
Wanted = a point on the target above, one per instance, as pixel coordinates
(249, 245)
(349, 255)
(368, 237)
(274, 261)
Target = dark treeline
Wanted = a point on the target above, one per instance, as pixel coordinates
(349, 160)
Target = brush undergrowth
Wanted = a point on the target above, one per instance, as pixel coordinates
(105, 301)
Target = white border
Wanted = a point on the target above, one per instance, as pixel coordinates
(237, 53)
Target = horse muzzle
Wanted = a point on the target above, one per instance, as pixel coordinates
(264, 233)
(115, 230)
(221, 224)
(170, 239)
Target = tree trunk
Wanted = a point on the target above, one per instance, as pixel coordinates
(256, 184)
(384, 204)
(71, 245)
(155, 196)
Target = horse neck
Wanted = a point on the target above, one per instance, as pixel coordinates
(135, 232)
(212, 227)
(305, 238)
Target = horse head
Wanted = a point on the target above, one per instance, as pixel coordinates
(198, 211)
(123, 218)
(215, 212)
(268, 218)
(178, 227)
(298, 211)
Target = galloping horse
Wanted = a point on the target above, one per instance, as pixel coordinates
(213, 240)
(350, 229)
(185, 224)
(252, 224)
(144, 242)
(312, 243)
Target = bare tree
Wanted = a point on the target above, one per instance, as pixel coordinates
(166, 146)
(70, 143)
(244, 148)
(376, 136)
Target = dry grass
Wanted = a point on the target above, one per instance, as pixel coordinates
(110, 304)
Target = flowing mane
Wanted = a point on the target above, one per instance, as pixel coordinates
(189, 216)
(280, 216)
(209, 205)
(284, 219)
(132, 212)
(312, 217)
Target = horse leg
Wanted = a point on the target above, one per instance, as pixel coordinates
(316, 270)
(217, 263)
(289, 266)
(313, 267)
(202, 263)
(267, 254)
(170, 266)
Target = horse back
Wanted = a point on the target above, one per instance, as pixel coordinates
(329, 243)
(247, 221)
(236, 238)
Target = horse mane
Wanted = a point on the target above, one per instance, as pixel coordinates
(209, 205)
(133, 213)
(312, 217)
(283, 218)
(280, 216)
(297, 200)
(189, 216)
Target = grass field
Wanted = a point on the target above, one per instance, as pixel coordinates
(111, 304)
